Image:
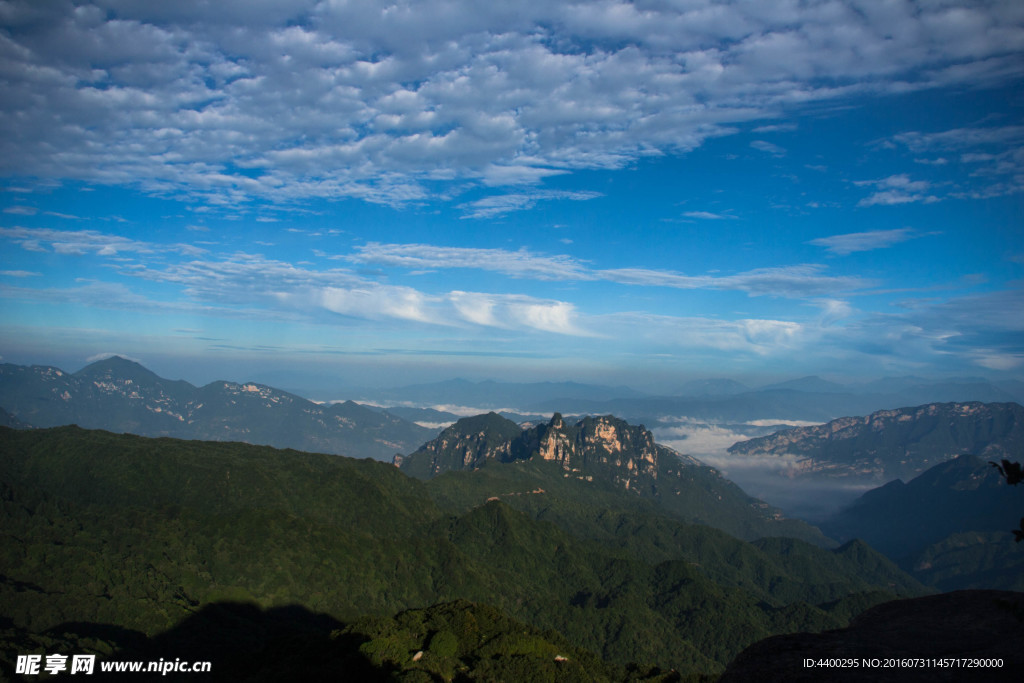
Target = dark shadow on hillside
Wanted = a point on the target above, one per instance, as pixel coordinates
(243, 642)
(109, 633)
(901, 641)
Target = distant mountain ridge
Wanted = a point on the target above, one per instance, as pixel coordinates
(607, 451)
(120, 395)
(901, 443)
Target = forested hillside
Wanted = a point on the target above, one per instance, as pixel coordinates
(109, 538)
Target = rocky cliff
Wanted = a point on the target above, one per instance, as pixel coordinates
(901, 443)
(626, 452)
(605, 452)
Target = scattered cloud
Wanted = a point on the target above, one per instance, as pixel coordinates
(520, 263)
(994, 156)
(799, 281)
(498, 205)
(87, 241)
(897, 189)
(768, 148)
(360, 100)
(841, 245)
(708, 215)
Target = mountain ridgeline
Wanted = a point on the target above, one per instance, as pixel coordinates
(948, 526)
(122, 396)
(902, 443)
(111, 540)
(598, 452)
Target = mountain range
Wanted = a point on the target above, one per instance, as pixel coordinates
(900, 443)
(120, 395)
(495, 549)
(596, 452)
(720, 400)
(949, 526)
(112, 540)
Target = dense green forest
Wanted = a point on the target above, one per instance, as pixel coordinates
(112, 542)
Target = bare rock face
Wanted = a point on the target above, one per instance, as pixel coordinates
(948, 637)
(627, 452)
(602, 440)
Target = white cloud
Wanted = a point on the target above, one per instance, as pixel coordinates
(799, 281)
(383, 102)
(708, 215)
(498, 205)
(751, 336)
(768, 148)
(372, 302)
(510, 311)
(833, 310)
(521, 263)
(993, 156)
(88, 241)
(897, 189)
(863, 241)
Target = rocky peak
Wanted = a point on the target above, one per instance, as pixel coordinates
(467, 444)
(625, 451)
(117, 369)
(604, 440)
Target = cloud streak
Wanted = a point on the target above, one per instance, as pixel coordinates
(798, 281)
(841, 245)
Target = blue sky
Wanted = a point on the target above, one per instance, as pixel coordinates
(607, 191)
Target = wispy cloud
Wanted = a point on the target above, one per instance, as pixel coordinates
(768, 148)
(87, 241)
(849, 243)
(897, 189)
(708, 215)
(498, 205)
(992, 157)
(520, 263)
(798, 281)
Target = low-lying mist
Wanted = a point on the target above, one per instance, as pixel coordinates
(774, 479)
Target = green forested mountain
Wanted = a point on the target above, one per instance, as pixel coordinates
(597, 453)
(110, 541)
(122, 396)
(949, 527)
(901, 443)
